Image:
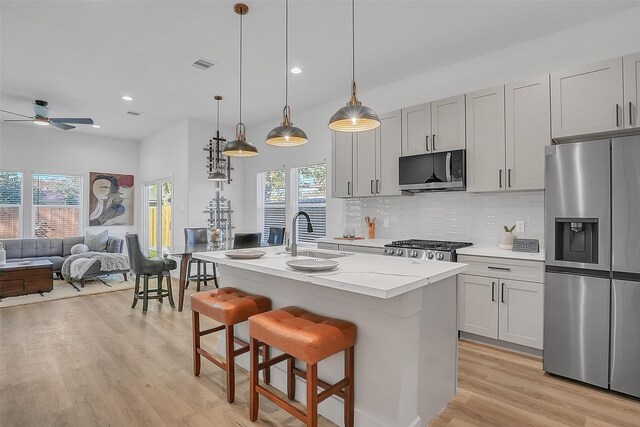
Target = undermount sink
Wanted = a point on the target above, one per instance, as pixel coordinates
(322, 254)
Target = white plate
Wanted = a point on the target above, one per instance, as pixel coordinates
(245, 254)
(313, 264)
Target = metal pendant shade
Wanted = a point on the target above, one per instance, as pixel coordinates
(217, 175)
(354, 117)
(286, 135)
(240, 147)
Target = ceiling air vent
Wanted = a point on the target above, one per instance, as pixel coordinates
(202, 64)
(133, 113)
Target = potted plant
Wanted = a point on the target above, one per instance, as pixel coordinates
(506, 242)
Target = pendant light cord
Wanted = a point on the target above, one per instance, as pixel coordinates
(353, 40)
(286, 54)
(218, 137)
(241, 67)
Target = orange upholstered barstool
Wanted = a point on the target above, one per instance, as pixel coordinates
(228, 306)
(309, 338)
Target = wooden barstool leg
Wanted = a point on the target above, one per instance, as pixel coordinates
(291, 379)
(196, 342)
(145, 294)
(204, 266)
(230, 362)
(136, 289)
(186, 284)
(169, 285)
(254, 398)
(312, 395)
(349, 401)
(198, 279)
(215, 275)
(159, 291)
(266, 355)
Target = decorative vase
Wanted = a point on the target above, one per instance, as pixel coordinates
(3, 254)
(506, 242)
(372, 231)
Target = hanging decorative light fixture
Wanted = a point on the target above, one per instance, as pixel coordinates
(240, 147)
(286, 135)
(354, 117)
(215, 169)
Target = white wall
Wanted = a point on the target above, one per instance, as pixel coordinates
(606, 38)
(33, 149)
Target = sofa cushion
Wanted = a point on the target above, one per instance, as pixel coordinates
(80, 248)
(48, 247)
(69, 242)
(57, 262)
(32, 248)
(114, 245)
(13, 248)
(97, 242)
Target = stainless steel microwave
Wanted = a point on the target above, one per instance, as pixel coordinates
(445, 171)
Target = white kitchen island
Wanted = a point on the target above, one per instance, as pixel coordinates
(405, 312)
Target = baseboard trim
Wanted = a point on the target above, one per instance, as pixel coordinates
(517, 348)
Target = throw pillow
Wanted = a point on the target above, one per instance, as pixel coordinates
(97, 242)
(79, 249)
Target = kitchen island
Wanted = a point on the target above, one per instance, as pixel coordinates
(405, 312)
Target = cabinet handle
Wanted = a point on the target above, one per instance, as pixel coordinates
(433, 142)
(493, 291)
(630, 113)
(377, 186)
(426, 142)
(500, 178)
(490, 267)
(617, 115)
(372, 190)
(348, 188)
(509, 178)
(502, 293)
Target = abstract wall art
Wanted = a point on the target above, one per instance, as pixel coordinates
(110, 199)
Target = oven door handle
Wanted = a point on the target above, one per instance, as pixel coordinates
(448, 167)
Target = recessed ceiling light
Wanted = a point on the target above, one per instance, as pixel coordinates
(96, 126)
(296, 70)
(127, 98)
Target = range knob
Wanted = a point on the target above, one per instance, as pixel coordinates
(439, 256)
(400, 252)
(413, 254)
(390, 251)
(429, 255)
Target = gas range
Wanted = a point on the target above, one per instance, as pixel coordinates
(425, 249)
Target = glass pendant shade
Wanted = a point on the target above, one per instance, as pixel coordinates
(286, 135)
(240, 147)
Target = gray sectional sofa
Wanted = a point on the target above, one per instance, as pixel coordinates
(55, 250)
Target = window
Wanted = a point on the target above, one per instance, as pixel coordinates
(57, 205)
(309, 194)
(271, 201)
(10, 205)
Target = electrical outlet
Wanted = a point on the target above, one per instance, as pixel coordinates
(385, 223)
(520, 226)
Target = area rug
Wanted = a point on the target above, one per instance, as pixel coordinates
(62, 290)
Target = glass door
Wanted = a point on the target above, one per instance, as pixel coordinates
(157, 218)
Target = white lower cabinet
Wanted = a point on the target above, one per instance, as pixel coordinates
(501, 308)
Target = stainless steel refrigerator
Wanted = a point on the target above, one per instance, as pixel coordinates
(592, 278)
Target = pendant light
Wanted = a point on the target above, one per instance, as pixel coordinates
(286, 135)
(216, 173)
(354, 117)
(240, 147)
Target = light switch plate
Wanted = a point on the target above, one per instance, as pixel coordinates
(520, 226)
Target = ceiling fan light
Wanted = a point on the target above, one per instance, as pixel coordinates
(354, 118)
(41, 121)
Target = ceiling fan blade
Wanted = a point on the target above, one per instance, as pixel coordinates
(30, 120)
(61, 125)
(77, 120)
(16, 114)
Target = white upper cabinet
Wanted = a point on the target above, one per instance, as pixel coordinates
(587, 99)
(416, 130)
(447, 123)
(485, 140)
(364, 165)
(388, 144)
(528, 131)
(342, 164)
(631, 64)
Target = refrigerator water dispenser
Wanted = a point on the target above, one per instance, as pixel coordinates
(576, 240)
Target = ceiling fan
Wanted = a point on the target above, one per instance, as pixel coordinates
(41, 117)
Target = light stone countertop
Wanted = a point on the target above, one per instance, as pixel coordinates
(366, 274)
(496, 252)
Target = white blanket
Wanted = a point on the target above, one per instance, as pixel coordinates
(80, 266)
(109, 262)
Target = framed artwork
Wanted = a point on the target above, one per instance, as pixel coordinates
(110, 199)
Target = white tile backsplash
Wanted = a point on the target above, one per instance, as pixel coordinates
(458, 216)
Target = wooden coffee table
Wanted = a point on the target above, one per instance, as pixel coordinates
(17, 278)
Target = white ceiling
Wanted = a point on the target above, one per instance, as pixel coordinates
(82, 56)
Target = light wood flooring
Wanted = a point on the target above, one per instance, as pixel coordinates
(92, 361)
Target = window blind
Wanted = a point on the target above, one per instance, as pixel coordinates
(57, 205)
(271, 201)
(10, 205)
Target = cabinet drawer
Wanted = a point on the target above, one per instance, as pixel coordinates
(11, 288)
(515, 269)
